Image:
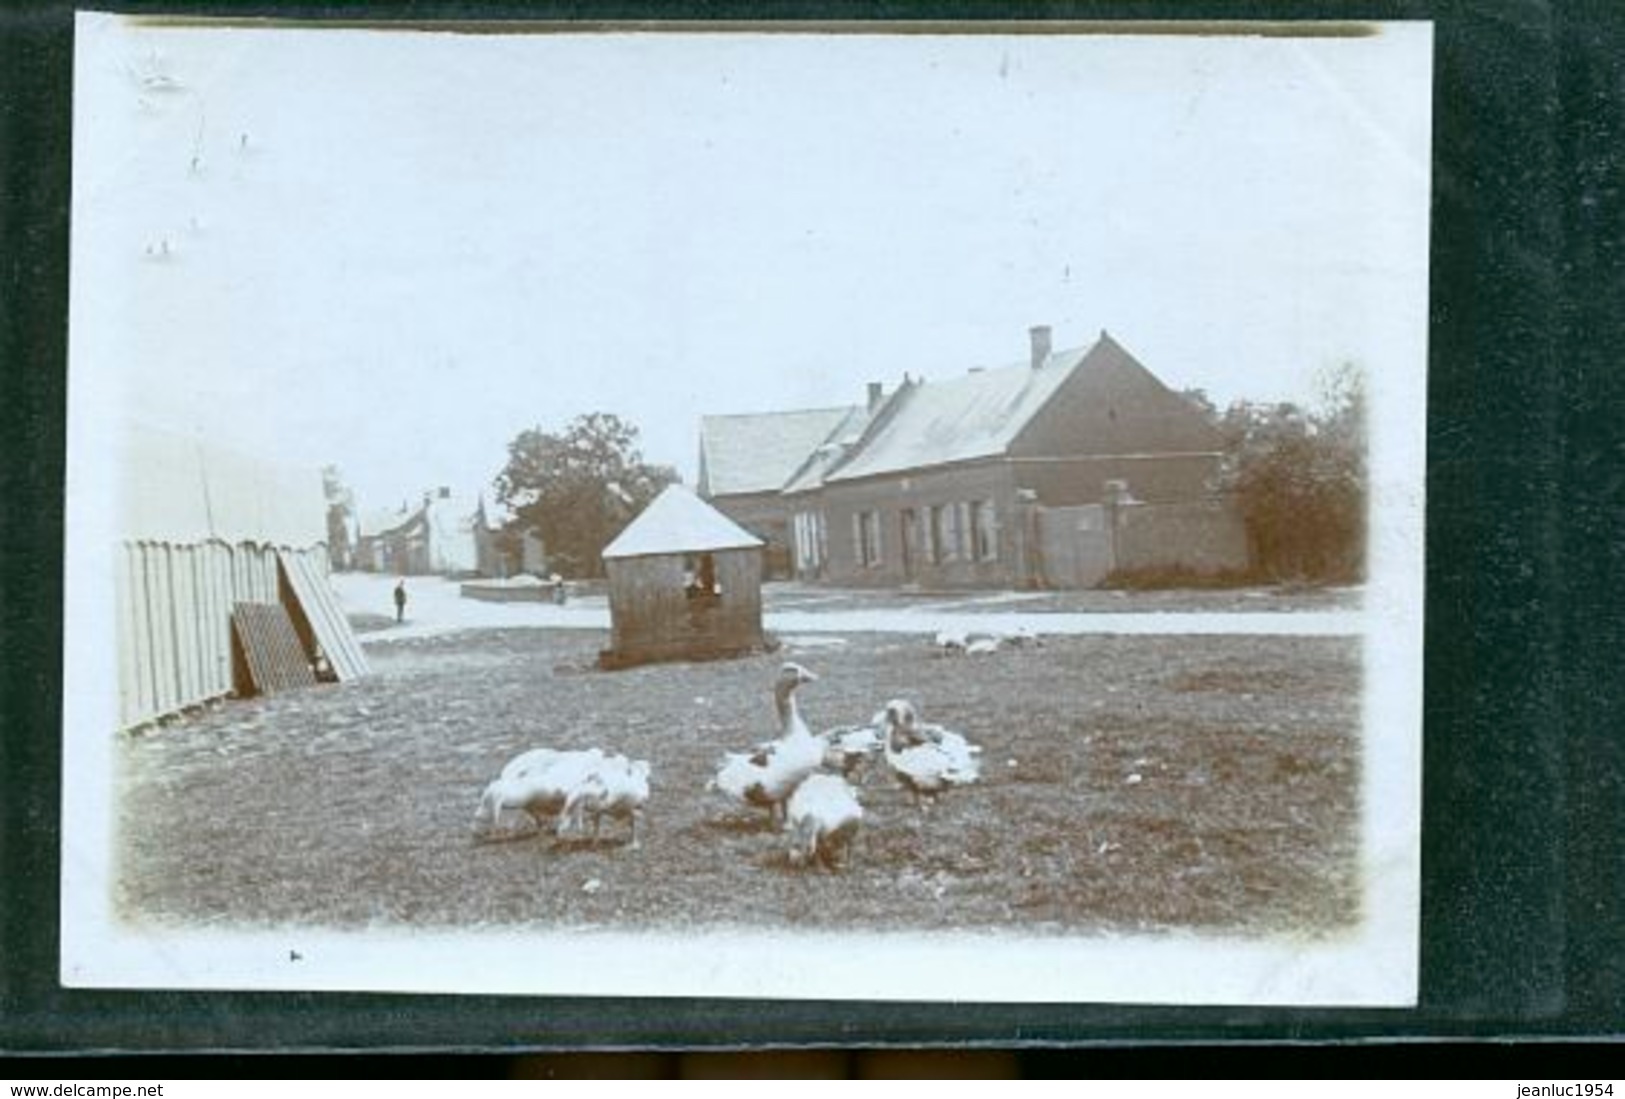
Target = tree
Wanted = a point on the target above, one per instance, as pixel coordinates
(579, 488)
(1198, 399)
(340, 518)
(1300, 479)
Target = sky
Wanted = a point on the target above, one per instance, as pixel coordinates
(395, 250)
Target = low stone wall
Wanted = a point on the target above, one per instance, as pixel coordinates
(1081, 546)
(508, 591)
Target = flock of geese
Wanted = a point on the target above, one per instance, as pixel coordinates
(805, 781)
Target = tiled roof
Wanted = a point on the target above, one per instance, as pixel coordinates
(677, 521)
(759, 452)
(975, 415)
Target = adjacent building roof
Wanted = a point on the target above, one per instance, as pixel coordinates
(677, 521)
(829, 453)
(759, 452)
(976, 415)
(377, 521)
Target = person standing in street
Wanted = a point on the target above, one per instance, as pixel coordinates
(400, 602)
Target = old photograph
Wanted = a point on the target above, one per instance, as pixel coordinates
(784, 511)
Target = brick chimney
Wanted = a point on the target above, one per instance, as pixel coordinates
(876, 393)
(1040, 334)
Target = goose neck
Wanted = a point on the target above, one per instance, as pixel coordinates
(889, 742)
(784, 700)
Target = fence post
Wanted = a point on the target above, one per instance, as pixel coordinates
(1113, 494)
(1032, 552)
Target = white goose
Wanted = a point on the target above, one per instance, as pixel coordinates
(927, 759)
(538, 782)
(823, 817)
(850, 746)
(768, 775)
(617, 787)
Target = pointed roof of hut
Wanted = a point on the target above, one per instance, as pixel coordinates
(677, 521)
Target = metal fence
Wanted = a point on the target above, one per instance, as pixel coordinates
(173, 616)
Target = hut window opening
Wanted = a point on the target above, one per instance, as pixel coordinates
(700, 577)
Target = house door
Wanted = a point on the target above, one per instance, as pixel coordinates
(911, 532)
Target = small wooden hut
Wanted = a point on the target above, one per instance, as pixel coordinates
(685, 583)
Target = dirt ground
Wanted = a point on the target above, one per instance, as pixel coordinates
(1129, 784)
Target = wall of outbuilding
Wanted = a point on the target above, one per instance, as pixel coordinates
(172, 611)
(1072, 481)
(766, 515)
(654, 618)
(199, 530)
(1204, 536)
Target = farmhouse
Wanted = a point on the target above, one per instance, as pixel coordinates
(685, 583)
(221, 578)
(745, 461)
(1053, 472)
(439, 536)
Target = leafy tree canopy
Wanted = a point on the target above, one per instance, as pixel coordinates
(1299, 475)
(578, 488)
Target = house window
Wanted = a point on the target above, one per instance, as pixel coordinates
(984, 523)
(806, 551)
(964, 532)
(944, 533)
(811, 544)
(866, 538)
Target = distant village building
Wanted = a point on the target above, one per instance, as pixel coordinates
(439, 536)
(685, 583)
(745, 462)
(1054, 472)
(210, 544)
(533, 553)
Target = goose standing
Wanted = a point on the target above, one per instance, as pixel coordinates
(768, 775)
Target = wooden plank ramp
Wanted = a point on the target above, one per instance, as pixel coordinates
(276, 661)
(326, 617)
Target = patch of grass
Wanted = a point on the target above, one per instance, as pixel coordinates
(1129, 784)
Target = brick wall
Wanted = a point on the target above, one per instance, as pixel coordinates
(907, 559)
(766, 515)
(1067, 482)
(1206, 536)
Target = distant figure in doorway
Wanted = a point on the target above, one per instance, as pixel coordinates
(400, 601)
